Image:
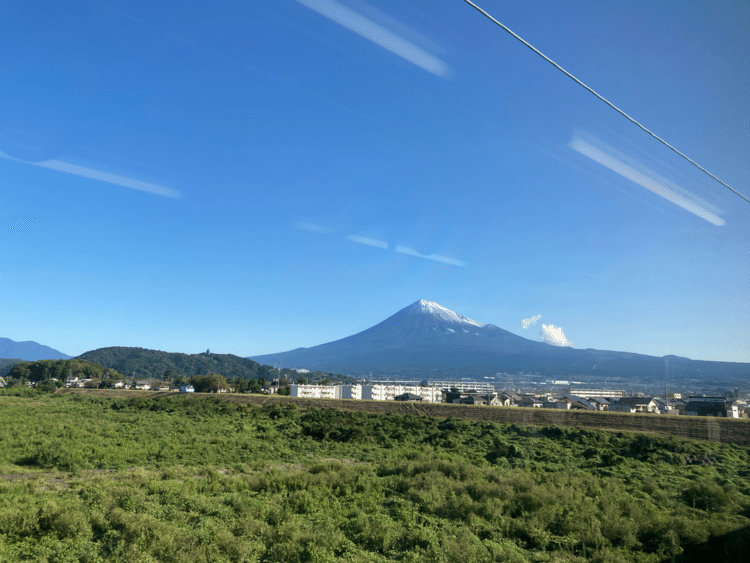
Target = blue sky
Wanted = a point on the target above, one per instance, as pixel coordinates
(256, 177)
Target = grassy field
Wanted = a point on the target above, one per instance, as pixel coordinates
(725, 430)
(91, 477)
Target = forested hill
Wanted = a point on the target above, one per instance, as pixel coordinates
(6, 364)
(144, 363)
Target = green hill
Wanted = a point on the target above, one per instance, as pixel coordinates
(6, 364)
(144, 363)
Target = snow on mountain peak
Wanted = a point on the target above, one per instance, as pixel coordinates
(432, 308)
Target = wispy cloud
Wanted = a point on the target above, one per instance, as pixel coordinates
(102, 176)
(378, 34)
(552, 334)
(615, 161)
(379, 243)
(367, 240)
(435, 257)
(526, 323)
(315, 228)
(109, 178)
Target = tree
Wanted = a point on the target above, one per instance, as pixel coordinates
(302, 381)
(211, 383)
(47, 386)
(240, 384)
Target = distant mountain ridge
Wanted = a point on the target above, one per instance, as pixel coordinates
(29, 351)
(428, 340)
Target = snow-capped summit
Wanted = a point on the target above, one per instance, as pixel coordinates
(437, 310)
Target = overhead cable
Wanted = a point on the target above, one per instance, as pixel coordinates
(602, 98)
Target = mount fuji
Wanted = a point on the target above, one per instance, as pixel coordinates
(427, 340)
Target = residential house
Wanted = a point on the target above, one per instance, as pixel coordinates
(634, 405)
(665, 407)
(508, 399)
(76, 382)
(556, 403)
(579, 403)
(716, 407)
(530, 401)
(600, 403)
(471, 400)
(491, 399)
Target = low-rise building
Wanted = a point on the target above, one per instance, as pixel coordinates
(605, 393)
(388, 392)
(711, 407)
(634, 404)
(508, 399)
(351, 391)
(529, 401)
(480, 387)
(315, 391)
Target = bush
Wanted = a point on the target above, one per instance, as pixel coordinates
(705, 494)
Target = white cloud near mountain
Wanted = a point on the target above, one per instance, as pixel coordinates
(526, 323)
(554, 335)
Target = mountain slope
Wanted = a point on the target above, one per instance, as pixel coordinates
(29, 351)
(143, 363)
(428, 340)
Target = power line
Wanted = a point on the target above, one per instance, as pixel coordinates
(602, 98)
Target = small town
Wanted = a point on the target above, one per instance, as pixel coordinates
(473, 393)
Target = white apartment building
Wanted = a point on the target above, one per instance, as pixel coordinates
(380, 392)
(315, 391)
(594, 393)
(351, 391)
(480, 387)
(387, 392)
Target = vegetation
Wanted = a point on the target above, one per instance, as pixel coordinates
(192, 478)
(43, 370)
(6, 364)
(142, 364)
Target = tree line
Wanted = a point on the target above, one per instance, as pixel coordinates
(47, 375)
